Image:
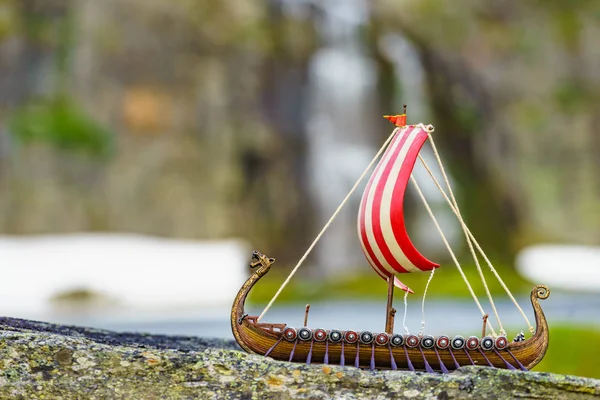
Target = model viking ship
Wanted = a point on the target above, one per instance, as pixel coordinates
(389, 251)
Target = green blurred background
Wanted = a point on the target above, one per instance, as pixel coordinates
(252, 119)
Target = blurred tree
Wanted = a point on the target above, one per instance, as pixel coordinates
(516, 107)
(38, 85)
(200, 86)
(210, 102)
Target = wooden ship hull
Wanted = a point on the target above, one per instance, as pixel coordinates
(383, 350)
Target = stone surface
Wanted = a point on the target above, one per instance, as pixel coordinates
(40, 360)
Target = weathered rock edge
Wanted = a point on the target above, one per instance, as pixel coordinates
(51, 361)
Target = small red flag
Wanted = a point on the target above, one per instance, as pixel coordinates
(398, 120)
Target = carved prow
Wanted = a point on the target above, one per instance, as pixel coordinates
(542, 334)
(263, 263)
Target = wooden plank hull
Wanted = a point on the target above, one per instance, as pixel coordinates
(268, 339)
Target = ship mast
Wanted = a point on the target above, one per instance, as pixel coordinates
(390, 311)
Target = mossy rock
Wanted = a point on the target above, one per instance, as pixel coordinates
(40, 360)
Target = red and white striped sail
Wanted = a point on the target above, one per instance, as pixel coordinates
(381, 226)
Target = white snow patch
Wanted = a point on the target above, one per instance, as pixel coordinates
(571, 267)
(137, 273)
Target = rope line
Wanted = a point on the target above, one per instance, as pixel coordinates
(335, 214)
(478, 247)
(405, 312)
(437, 225)
(464, 229)
(423, 302)
(456, 211)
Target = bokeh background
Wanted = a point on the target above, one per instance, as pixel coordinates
(204, 122)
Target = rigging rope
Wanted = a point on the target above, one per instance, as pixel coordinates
(437, 225)
(405, 312)
(464, 228)
(335, 214)
(470, 244)
(472, 238)
(423, 302)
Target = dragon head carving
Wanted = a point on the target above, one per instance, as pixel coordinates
(259, 259)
